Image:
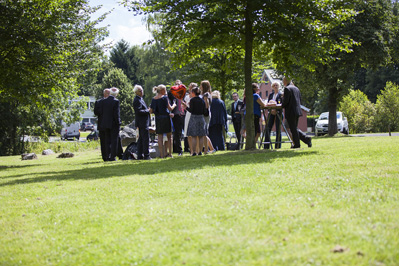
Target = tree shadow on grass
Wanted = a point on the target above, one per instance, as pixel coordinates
(157, 166)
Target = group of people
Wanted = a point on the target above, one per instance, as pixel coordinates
(290, 100)
(202, 115)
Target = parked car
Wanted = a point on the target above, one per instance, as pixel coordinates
(87, 126)
(322, 124)
(70, 131)
(94, 135)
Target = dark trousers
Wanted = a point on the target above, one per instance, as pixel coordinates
(104, 154)
(143, 143)
(237, 129)
(297, 134)
(111, 143)
(270, 123)
(178, 124)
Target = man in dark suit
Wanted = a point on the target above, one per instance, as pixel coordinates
(142, 121)
(98, 111)
(292, 105)
(111, 123)
(236, 107)
(275, 96)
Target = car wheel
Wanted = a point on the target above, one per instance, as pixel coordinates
(345, 131)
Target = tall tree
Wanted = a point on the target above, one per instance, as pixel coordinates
(116, 78)
(44, 46)
(127, 58)
(372, 30)
(255, 27)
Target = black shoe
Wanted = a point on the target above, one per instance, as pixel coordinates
(194, 154)
(310, 143)
(147, 158)
(200, 153)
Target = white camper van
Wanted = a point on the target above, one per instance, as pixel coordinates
(70, 131)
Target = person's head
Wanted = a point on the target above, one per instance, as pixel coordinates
(178, 82)
(114, 91)
(138, 90)
(216, 95)
(275, 86)
(106, 92)
(286, 81)
(196, 91)
(161, 89)
(205, 86)
(191, 86)
(235, 96)
(255, 87)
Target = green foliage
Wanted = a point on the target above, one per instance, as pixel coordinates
(116, 78)
(192, 29)
(359, 111)
(372, 32)
(44, 49)
(62, 146)
(127, 58)
(387, 107)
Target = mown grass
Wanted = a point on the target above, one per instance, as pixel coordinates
(286, 207)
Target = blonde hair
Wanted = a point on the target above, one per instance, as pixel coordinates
(159, 88)
(216, 94)
(276, 83)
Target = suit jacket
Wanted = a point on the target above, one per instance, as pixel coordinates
(98, 111)
(142, 113)
(292, 102)
(278, 98)
(110, 113)
(236, 117)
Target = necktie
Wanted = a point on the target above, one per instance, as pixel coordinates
(235, 106)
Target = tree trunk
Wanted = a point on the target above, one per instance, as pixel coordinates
(249, 116)
(332, 109)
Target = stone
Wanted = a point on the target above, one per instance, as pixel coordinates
(29, 156)
(47, 152)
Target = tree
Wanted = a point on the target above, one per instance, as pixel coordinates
(44, 46)
(116, 78)
(192, 27)
(388, 108)
(127, 58)
(359, 111)
(372, 30)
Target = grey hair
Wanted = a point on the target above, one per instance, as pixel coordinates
(114, 91)
(136, 87)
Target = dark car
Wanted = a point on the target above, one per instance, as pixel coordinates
(94, 135)
(87, 126)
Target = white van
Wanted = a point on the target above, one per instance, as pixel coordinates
(71, 131)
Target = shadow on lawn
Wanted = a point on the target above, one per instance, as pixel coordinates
(176, 164)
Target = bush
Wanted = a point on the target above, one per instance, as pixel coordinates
(62, 146)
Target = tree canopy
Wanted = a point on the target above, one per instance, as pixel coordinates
(295, 33)
(44, 48)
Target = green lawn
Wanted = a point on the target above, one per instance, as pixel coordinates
(336, 203)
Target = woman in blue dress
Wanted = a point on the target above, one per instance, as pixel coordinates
(161, 107)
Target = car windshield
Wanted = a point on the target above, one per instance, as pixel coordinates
(323, 117)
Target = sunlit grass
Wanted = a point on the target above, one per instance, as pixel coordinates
(286, 207)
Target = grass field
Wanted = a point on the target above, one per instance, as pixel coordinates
(336, 203)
